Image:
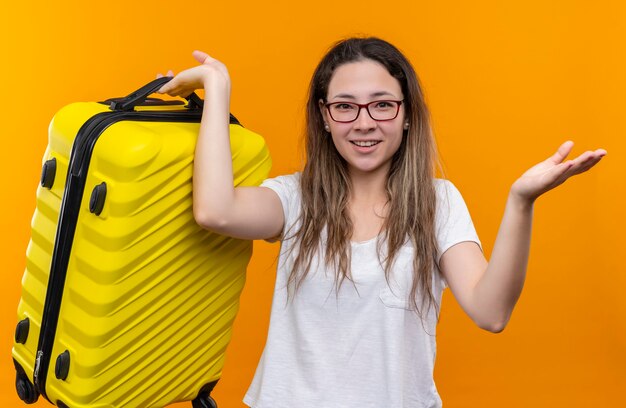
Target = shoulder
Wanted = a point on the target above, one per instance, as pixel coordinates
(453, 221)
(443, 186)
(446, 192)
(288, 182)
(451, 208)
(287, 188)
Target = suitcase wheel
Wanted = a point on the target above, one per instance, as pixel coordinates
(25, 389)
(48, 172)
(204, 401)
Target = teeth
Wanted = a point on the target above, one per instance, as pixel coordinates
(366, 143)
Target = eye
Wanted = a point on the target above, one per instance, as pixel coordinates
(383, 105)
(343, 107)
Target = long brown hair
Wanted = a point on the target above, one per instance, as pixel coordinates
(325, 183)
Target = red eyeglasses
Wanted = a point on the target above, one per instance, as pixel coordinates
(346, 112)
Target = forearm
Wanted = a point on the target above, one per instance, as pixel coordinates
(488, 291)
(499, 288)
(213, 191)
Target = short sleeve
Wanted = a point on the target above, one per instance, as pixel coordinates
(453, 221)
(288, 190)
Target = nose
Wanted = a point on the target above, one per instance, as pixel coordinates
(363, 120)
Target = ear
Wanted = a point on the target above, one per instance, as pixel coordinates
(323, 111)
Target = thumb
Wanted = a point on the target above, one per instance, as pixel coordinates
(562, 152)
(200, 56)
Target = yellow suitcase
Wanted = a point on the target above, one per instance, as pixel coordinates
(126, 302)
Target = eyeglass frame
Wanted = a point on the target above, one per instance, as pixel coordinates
(361, 106)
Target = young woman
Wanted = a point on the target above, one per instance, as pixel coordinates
(369, 237)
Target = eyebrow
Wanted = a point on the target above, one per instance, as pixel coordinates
(372, 95)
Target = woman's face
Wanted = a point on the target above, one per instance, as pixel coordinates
(366, 144)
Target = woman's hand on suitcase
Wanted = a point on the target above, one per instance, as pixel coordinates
(211, 75)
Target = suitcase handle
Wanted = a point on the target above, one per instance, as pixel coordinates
(133, 99)
(129, 102)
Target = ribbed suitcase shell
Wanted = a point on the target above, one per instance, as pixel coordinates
(150, 297)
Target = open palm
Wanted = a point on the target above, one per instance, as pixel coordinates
(553, 171)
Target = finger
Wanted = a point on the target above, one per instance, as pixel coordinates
(159, 75)
(562, 152)
(561, 171)
(176, 90)
(583, 163)
(201, 56)
(587, 164)
(168, 88)
(559, 174)
(586, 157)
(170, 73)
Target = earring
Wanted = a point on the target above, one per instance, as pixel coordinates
(326, 127)
(406, 125)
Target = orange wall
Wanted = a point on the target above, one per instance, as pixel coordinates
(507, 82)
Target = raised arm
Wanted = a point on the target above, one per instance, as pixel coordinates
(487, 292)
(242, 212)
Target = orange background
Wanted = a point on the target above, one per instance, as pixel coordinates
(506, 82)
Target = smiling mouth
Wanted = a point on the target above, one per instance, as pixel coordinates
(365, 143)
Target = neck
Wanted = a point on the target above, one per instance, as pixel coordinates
(369, 187)
(368, 203)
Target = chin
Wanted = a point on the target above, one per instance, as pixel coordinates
(365, 167)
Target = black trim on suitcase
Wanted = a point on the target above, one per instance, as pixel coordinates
(145, 102)
(80, 158)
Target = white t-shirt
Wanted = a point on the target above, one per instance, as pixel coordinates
(359, 347)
